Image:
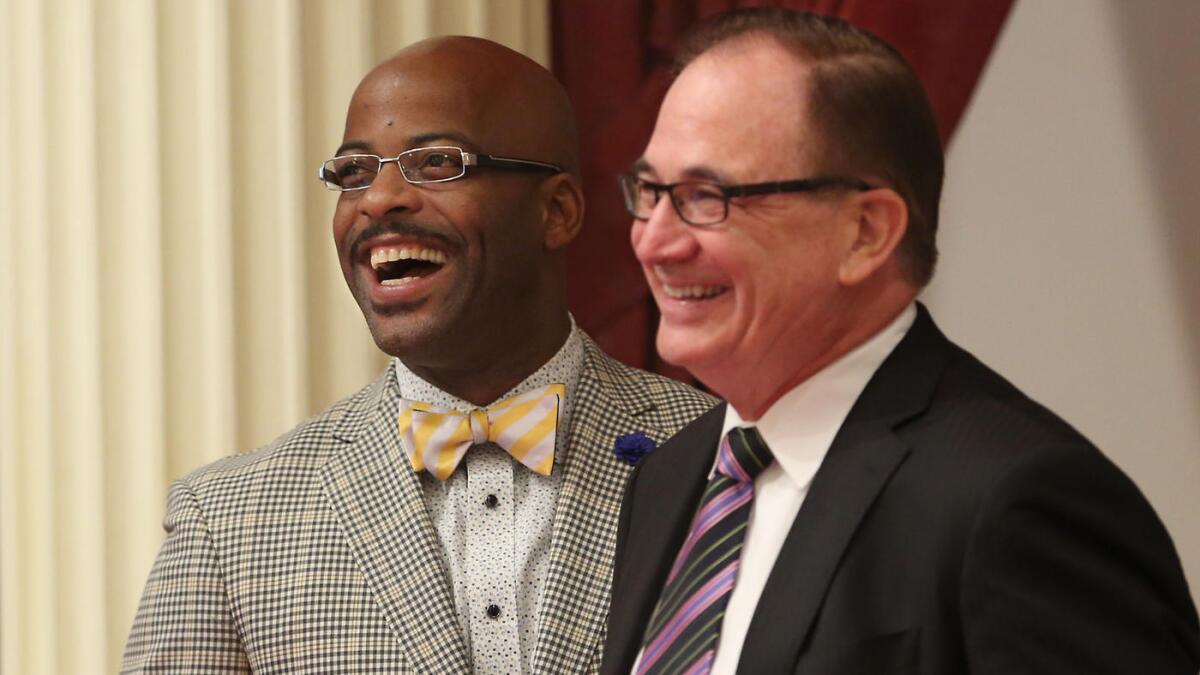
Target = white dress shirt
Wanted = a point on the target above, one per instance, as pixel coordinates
(494, 517)
(799, 428)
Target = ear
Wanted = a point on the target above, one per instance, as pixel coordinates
(562, 210)
(879, 221)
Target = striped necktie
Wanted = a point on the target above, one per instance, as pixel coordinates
(437, 438)
(682, 634)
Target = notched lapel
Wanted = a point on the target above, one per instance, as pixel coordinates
(576, 597)
(674, 476)
(852, 476)
(380, 506)
(862, 459)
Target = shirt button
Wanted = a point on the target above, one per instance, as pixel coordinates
(493, 611)
(491, 503)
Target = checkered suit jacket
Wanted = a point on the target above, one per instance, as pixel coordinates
(316, 553)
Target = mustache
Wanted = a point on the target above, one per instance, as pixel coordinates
(401, 228)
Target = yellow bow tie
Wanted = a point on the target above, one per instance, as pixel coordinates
(437, 438)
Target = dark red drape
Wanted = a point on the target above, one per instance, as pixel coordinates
(613, 57)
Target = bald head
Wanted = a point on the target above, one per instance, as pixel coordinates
(513, 105)
(485, 302)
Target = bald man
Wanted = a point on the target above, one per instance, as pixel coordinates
(458, 513)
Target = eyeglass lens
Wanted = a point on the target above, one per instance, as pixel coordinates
(422, 165)
(696, 203)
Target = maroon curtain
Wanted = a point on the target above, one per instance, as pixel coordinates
(613, 57)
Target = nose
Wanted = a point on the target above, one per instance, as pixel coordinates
(663, 237)
(387, 193)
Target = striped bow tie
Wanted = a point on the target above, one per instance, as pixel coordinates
(437, 438)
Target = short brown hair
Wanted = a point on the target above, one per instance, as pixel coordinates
(866, 101)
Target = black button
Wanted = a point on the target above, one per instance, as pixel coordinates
(491, 503)
(493, 611)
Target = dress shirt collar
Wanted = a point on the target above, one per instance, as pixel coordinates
(564, 367)
(801, 425)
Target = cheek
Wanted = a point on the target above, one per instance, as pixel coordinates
(764, 274)
(740, 257)
(499, 241)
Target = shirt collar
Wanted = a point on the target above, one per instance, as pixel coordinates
(563, 368)
(801, 425)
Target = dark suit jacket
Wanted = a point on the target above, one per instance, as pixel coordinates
(955, 527)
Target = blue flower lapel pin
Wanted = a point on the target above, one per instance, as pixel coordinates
(633, 447)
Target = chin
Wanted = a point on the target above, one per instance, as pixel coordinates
(399, 336)
(390, 345)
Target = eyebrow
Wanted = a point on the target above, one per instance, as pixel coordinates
(352, 145)
(421, 139)
(412, 142)
(703, 173)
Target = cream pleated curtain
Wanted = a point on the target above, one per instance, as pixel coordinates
(170, 292)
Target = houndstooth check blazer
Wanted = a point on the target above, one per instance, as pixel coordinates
(316, 554)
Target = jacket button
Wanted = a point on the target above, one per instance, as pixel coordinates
(493, 611)
(491, 503)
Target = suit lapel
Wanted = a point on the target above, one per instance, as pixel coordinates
(661, 514)
(862, 459)
(380, 506)
(842, 492)
(575, 601)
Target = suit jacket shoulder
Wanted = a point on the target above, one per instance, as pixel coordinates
(662, 403)
(241, 530)
(305, 444)
(666, 403)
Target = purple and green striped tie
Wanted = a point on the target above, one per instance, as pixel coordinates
(682, 634)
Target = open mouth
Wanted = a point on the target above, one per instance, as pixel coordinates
(693, 292)
(400, 265)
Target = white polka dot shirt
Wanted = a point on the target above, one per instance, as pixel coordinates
(494, 519)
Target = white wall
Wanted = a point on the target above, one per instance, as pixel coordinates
(1070, 247)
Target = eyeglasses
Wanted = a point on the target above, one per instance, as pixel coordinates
(705, 204)
(437, 164)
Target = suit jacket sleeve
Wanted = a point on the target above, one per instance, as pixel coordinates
(184, 622)
(1069, 570)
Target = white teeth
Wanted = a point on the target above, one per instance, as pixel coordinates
(380, 256)
(397, 282)
(693, 292)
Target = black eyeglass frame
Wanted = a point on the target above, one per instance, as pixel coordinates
(469, 159)
(630, 182)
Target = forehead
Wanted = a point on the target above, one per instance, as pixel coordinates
(395, 104)
(740, 110)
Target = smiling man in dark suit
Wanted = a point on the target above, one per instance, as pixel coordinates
(459, 513)
(872, 499)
